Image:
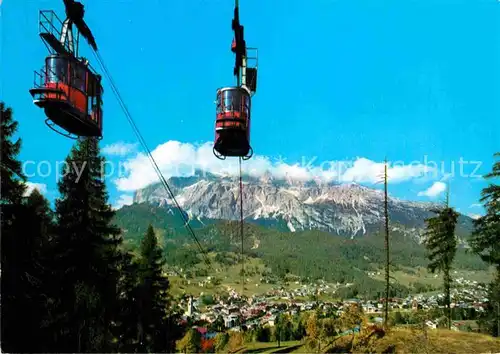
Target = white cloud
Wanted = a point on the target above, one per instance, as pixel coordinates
(367, 171)
(120, 148)
(183, 159)
(123, 200)
(434, 190)
(474, 216)
(42, 188)
(475, 205)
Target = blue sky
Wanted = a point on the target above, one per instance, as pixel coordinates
(338, 80)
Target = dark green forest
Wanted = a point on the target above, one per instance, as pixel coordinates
(68, 282)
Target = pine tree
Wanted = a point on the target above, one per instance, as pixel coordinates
(157, 325)
(126, 329)
(387, 252)
(40, 228)
(20, 247)
(299, 330)
(279, 328)
(486, 236)
(218, 325)
(490, 318)
(86, 256)
(485, 241)
(441, 244)
(12, 187)
(25, 275)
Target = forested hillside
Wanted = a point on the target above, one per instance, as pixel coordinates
(310, 255)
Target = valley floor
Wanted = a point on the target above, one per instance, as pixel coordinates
(403, 340)
(229, 278)
(406, 276)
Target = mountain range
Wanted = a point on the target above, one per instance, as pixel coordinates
(348, 210)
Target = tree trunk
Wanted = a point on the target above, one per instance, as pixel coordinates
(387, 261)
(447, 295)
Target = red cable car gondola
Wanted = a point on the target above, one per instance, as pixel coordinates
(67, 88)
(232, 125)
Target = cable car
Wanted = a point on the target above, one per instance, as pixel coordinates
(233, 111)
(67, 88)
(70, 93)
(232, 126)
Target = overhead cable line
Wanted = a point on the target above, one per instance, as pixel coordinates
(150, 156)
(242, 234)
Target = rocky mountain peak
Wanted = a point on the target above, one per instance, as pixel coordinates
(345, 209)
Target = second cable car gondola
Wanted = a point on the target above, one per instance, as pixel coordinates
(67, 88)
(232, 126)
(233, 111)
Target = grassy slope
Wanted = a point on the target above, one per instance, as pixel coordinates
(271, 347)
(421, 275)
(398, 340)
(437, 341)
